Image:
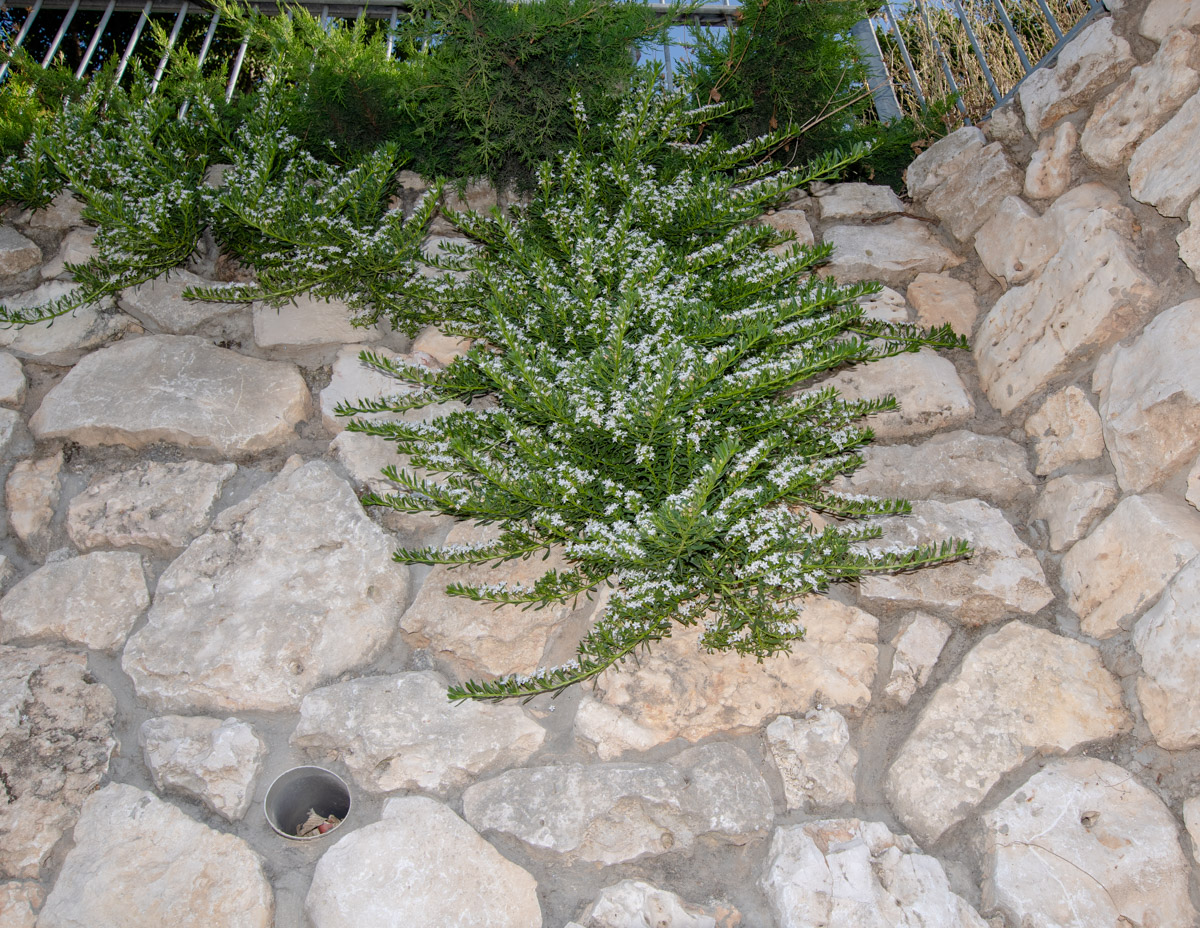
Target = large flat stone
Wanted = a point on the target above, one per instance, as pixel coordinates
(1168, 639)
(56, 739)
(1082, 843)
(893, 252)
(420, 866)
(972, 193)
(611, 813)
(846, 872)
(1114, 574)
(17, 253)
(1002, 578)
(308, 321)
(1162, 17)
(401, 732)
(64, 340)
(289, 589)
(1150, 399)
(941, 300)
(141, 863)
(160, 304)
(1164, 171)
(858, 201)
(1094, 58)
(942, 160)
(678, 691)
(1019, 692)
(1143, 103)
(177, 389)
(352, 381)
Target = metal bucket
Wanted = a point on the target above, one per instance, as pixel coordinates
(301, 790)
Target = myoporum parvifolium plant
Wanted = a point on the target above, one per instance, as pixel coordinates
(658, 415)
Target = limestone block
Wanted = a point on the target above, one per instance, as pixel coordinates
(850, 872)
(78, 247)
(1162, 17)
(887, 306)
(1191, 821)
(15, 442)
(941, 300)
(1083, 843)
(400, 732)
(17, 253)
(611, 813)
(207, 759)
(1011, 244)
(1002, 577)
(287, 590)
(633, 903)
(1092, 293)
(680, 691)
(19, 903)
(160, 304)
(787, 220)
(1065, 429)
(840, 202)
(918, 645)
(931, 395)
(91, 600)
(1071, 504)
(178, 389)
(1095, 58)
(1018, 692)
(161, 507)
(972, 193)
(445, 348)
(950, 465)
(308, 321)
(141, 863)
(63, 213)
(12, 381)
(64, 340)
(1143, 103)
(1049, 173)
(56, 739)
(1168, 639)
(1193, 485)
(815, 759)
(1115, 573)
(1150, 399)
(352, 380)
(420, 866)
(1164, 170)
(892, 252)
(942, 160)
(1189, 239)
(31, 493)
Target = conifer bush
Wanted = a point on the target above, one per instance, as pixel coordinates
(660, 418)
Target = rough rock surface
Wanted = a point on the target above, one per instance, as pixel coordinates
(1082, 843)
(858, 201)
(1065, 429)
(56, 738)
(71, 336)
(400, 732)
(1003, 576)
(1168, 639)
(308, 321)
(1150, 399)
(14, 439)
(1191, 820)
(930, 392)
(217, 762)
(1164, 171)
(289, 589)
(353, 381)
(12, 381)
(442, 348)
(815, 759)
(609, 813)
(160, 304)
(942, 160)
(178, 389)
(420, 866)
(1115, 573)
(790, 220)
(950, 465)
(1193, 485)
(941, 300)
(679, 691)
(1142, 104)
(78, 247)
(850, 872)
(973, 192)
(887, 305)
(1189, 239)
(1049, 172)
(17, 253)
(151, 505)
(31, 493)
(92, 600)
(891, 252)
(1018, 692)
(19, 903)
(633, 903)
(917, 646)
(1071, 504)
(1096, 57)
(1164, 16)
(140, 863)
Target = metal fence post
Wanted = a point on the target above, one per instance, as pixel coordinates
(887, 107)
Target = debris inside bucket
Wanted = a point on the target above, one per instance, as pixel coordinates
(316, 825)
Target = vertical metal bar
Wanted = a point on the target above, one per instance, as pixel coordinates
(937, 48)
(1053, 23)
(907, 58)
(987, 72)
(666, 60)
(887, 107)
(21, 35)
(1012, 34)
(96, 36)
(133, 39)
(392, 23)
(325, 17)
(162, 64)
(62, 31)
(237, 68)
(208, 37)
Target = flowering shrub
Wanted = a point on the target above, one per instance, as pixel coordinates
(659, 418)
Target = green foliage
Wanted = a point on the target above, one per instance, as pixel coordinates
(659, 416)
(30, 98)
